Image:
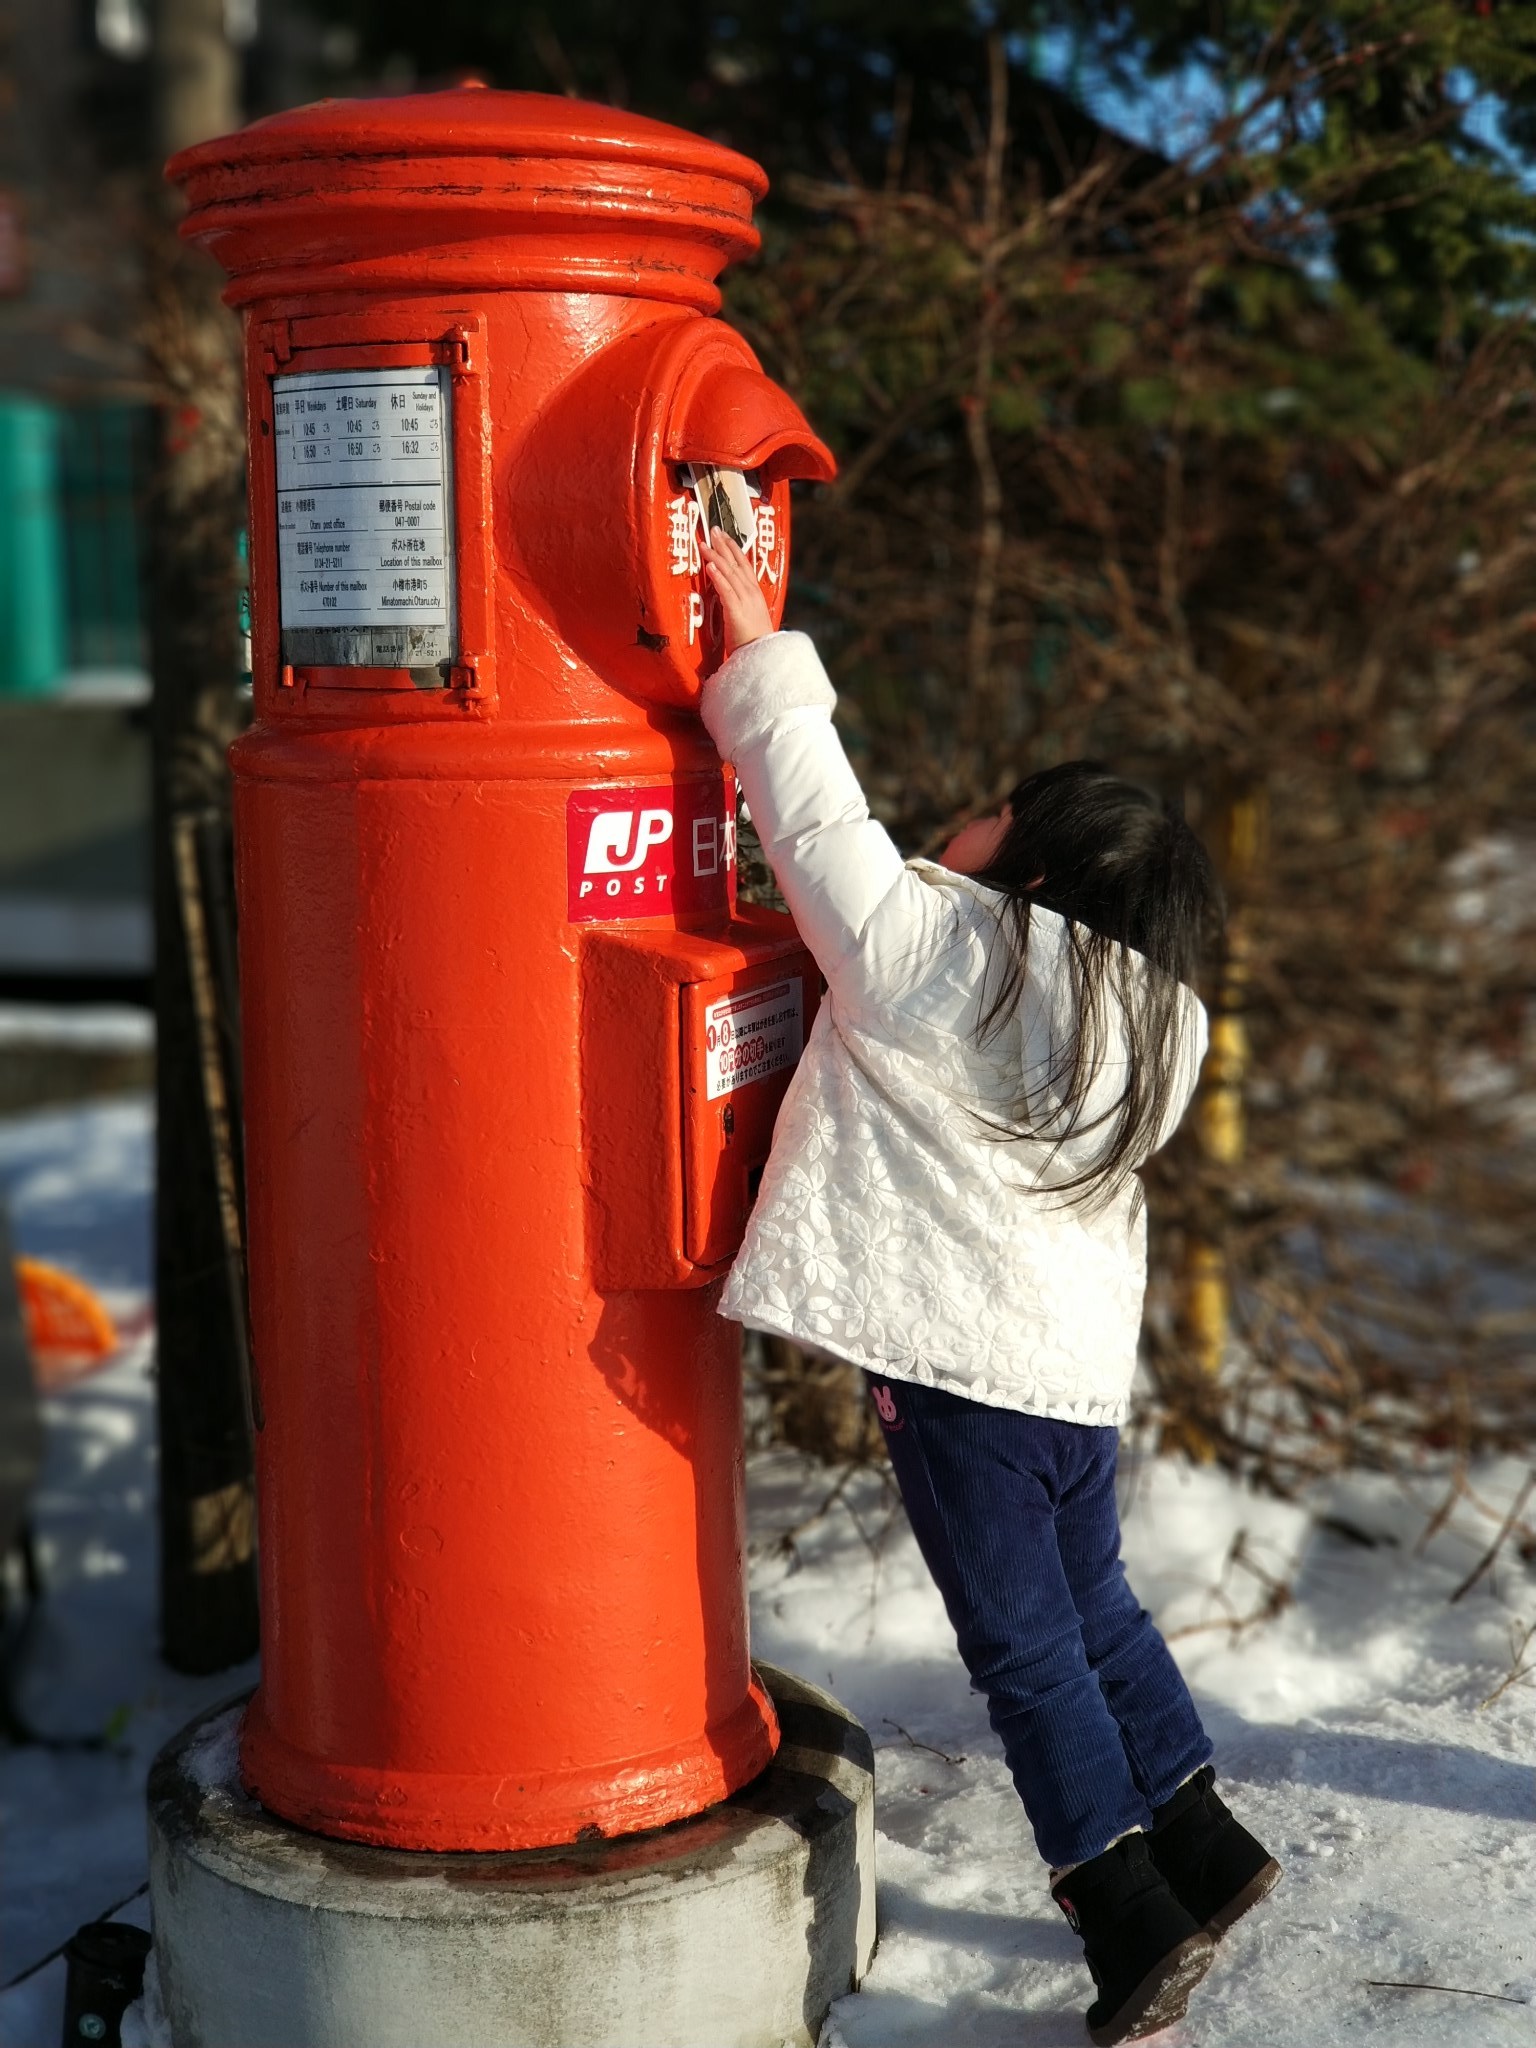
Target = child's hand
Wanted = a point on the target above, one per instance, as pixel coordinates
(746, 610)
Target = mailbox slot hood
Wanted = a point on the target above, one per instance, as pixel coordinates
(736, 418)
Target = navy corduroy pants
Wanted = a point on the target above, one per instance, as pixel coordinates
(1015, 1516)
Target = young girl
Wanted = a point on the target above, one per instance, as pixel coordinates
(951, 1203)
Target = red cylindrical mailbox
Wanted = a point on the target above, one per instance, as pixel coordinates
(512, 1056)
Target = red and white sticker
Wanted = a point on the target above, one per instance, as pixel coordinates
(749, 1037)
(668, 849)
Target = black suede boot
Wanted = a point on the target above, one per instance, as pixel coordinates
(1146, 1953)
(1214, 1867)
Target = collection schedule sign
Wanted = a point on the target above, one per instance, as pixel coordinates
(365, 557)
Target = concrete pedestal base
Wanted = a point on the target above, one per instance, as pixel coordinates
(733, 1930)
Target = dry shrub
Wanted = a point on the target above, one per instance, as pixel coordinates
(1122, 476)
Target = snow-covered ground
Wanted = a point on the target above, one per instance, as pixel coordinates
(1357, 1727)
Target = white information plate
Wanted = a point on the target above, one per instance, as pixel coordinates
(749, 1037)
(365, 557)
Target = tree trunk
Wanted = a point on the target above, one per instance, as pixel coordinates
(207, 1509)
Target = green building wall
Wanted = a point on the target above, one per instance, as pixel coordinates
(34, 618)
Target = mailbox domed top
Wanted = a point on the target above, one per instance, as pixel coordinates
(469, 189)
(470, 120)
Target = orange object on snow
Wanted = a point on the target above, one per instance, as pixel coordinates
(67, 1326)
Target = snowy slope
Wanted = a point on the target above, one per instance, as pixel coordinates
(1349, 1733)
(1350, 1727)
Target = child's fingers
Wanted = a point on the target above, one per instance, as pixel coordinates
(731, 579)
(721, 568)
(735, 600)
(725, 550)
(746, 613)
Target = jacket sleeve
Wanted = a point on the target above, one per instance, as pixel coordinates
(872, 925)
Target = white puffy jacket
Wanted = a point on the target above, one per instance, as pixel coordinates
(890, 1229)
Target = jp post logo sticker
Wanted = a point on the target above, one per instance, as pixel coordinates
(663, 850)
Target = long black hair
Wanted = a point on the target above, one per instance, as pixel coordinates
(1141, 905)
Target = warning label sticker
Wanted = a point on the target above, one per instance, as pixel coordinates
(749, 1037)
(363, 528)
